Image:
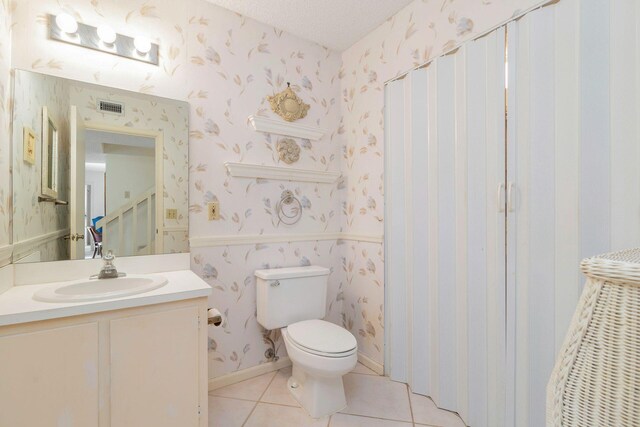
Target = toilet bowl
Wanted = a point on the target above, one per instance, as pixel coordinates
(321, 353)
(294, 301)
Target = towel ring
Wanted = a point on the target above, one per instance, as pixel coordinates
(289, 208)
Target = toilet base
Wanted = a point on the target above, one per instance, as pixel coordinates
(319, 396)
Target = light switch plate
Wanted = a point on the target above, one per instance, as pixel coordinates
(172, 213)
(213, 210)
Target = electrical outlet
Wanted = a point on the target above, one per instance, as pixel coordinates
(213, 210)
(172, 213)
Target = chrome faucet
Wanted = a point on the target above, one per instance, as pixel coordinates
(108, 270)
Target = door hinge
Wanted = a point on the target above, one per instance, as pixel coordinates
(199, 410)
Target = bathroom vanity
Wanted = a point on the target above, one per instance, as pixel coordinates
(136, 360)
(109, 171)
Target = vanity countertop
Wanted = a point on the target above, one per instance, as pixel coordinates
(18, 306)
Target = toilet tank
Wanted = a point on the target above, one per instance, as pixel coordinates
(288, 295)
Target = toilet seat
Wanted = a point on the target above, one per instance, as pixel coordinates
(322, 338)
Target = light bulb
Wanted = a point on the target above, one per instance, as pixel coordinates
(67, 23)
(142, 44)
(106, 34)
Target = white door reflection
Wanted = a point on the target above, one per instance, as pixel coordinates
(121, 213)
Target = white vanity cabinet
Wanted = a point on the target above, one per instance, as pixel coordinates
(49, 374)
(141, 366)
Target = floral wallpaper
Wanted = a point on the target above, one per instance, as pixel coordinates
(5, 124)
(362, 296)
(31, 93)
(225, 65)
(237, 63)
(421, 31)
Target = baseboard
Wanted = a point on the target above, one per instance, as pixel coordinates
(283, 362)
(245, 374)
(371, 364)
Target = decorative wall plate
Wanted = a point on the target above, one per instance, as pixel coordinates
(287, 105)
(288, 150)
(289, 208)
(29, 145)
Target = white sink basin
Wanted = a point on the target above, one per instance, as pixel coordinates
(100, 289)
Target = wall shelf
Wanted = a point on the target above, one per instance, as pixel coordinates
(262, 124)
(48, 199)
(243, 170)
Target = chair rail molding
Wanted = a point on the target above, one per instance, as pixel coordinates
(243, 170)
(263, 124)
(25, 247)
(252, 239)
(175, 228)
(365, 238)
(5, 255)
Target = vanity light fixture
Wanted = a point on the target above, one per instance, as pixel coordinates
(67, 23)
(106, 34)
(142, 44)
(65, 28)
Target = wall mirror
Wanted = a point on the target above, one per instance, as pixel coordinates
(96, 169)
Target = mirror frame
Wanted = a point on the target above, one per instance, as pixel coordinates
(50, 155)
(49, 189)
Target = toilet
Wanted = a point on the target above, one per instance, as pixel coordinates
(294, 300)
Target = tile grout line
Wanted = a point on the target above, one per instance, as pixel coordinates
(260, 397)
(331, 416)
(297, 405)
(330, 419)
(233, 398)
(386, 379)
(276, 404)
(446, 410)
(279, 404)
(250, 413)
(374, 418)
(413, 420)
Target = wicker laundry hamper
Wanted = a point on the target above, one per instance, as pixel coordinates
(596, 379)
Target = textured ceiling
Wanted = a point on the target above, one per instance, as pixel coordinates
(336, 24)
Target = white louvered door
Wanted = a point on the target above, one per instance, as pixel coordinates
(445, 230)
(574, 165)
(485, 230)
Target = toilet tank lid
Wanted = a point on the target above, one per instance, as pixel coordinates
(292, 272)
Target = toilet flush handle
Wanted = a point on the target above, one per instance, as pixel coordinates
(276, 283)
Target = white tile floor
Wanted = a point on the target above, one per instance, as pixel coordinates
(373, 401)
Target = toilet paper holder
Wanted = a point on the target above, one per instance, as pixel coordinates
(214, 317)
